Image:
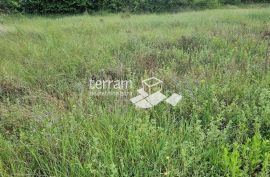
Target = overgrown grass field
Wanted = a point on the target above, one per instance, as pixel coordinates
(219, 60)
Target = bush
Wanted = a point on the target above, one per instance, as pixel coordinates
(52, 6)
(9, 5)
(249, 159)
(79, 6)
(206, 3)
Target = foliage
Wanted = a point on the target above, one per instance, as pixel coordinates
(79, 6)
(251, 158)
(9, 5)
(217, 59)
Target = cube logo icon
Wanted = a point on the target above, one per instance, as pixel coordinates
(150, 94)
(152, 85)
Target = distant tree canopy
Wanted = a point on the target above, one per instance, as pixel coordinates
(79, 6)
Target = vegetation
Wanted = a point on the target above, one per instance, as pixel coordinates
(218, 60)
(79, 6)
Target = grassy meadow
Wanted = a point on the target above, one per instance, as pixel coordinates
(219, 60)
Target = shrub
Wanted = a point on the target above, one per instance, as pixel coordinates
(79, 6)
(9, 5)
(250, 158)
(52, 6)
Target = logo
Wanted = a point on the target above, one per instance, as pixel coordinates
(109, 87)
(150, 94)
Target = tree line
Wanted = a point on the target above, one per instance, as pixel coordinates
(79, 6)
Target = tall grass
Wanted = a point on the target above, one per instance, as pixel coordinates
(218, 60)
